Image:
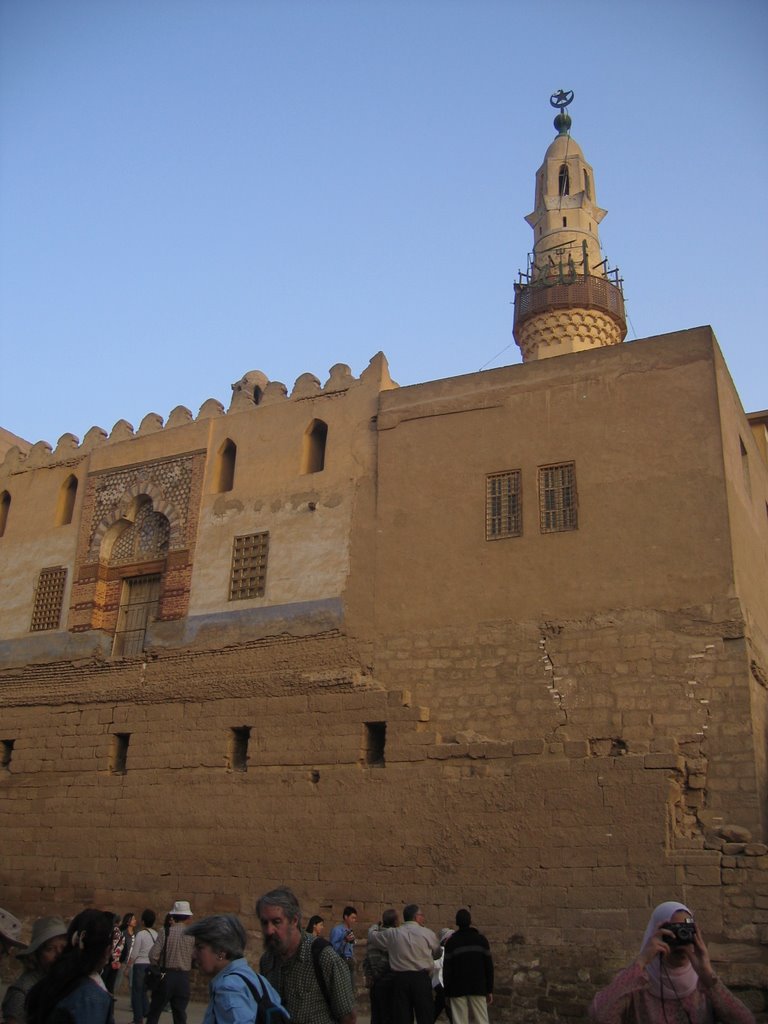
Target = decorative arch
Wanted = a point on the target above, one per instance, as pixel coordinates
(127, 508)
(224, 471)
(313, 453)
(142, 538)
(65, 506)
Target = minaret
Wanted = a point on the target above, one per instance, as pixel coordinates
(567, 300)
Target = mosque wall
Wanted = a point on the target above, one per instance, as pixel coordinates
(437, 697)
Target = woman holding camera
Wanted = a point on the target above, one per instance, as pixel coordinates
(671, 980)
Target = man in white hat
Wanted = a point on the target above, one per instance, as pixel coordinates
(173, 953)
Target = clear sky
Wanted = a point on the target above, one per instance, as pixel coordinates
(191, 189)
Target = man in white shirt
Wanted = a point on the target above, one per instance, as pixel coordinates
(412, 950)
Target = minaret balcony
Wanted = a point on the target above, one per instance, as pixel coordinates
(590, 292)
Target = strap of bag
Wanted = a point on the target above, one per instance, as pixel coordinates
(164, 954)
(258, 996)
(317, 947)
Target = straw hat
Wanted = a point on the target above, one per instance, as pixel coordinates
(43, 929)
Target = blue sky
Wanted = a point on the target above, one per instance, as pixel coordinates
(191, 189)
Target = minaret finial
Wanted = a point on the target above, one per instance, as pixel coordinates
(562, 99)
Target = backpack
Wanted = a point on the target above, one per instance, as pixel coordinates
(267, 1010)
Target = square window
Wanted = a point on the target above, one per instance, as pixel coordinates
(249, 566)
(503, 505)
(558, 508)
(49, 597)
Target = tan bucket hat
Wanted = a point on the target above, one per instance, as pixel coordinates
(43, 929)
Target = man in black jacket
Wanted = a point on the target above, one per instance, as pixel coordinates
(468, 972)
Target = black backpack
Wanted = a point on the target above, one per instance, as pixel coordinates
(267, 1011)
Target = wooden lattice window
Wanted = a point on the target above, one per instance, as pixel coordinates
(503, 505)
(249, 566)
(558, 509)
(49, 597)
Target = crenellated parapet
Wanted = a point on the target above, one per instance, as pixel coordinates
(253, 391)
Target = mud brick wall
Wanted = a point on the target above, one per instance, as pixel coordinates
(555, 843)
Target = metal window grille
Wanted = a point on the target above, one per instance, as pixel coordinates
(557, 498)
(249, 566)
(503, 505)
(49, 597)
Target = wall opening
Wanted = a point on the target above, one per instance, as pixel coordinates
(65, 506)
(5, 504)
(138, 604)
(374, 741)
(564, 181)
(745, 467)
(119, 756)
(6, 753)
(238, 748)
(224, 479)
(587, 185)
(315, 437)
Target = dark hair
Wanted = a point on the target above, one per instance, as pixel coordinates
(389, 919)
(314, 920)
(222, 932)
(410, 912)
(89, 939)
(126, 920)
(348, 910)
(148, 918)
(463, 918)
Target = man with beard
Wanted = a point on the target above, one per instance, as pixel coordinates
(313, 981)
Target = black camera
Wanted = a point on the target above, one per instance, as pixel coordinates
(683, 931)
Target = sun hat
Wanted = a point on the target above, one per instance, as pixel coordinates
(180, 908)
(10, 929)
(43, 929)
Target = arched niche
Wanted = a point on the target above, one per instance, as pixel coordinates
(313, 452)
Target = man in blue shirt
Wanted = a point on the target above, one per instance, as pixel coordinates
(343, 938)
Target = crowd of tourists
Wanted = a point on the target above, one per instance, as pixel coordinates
(71, 971)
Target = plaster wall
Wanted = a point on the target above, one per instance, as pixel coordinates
(638, 420)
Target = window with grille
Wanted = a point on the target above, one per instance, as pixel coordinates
(557, 498)
(49, 597)
(249, 566)
(503, 505)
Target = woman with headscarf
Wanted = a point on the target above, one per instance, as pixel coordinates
(235, 989)
(45, 947)
(73, 991)
(671, 980)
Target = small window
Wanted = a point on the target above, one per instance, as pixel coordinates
(557, 498)
(745, 467)
(374, 740)
(315, 438)
(5, 504)
(119, 757)
(224, 478)
(49, 597)
(587, 185)
(249, 566)
(66, 503)
(564, 181)
(6, 753)
(565, 222)
(503, 505)
(238, 748)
